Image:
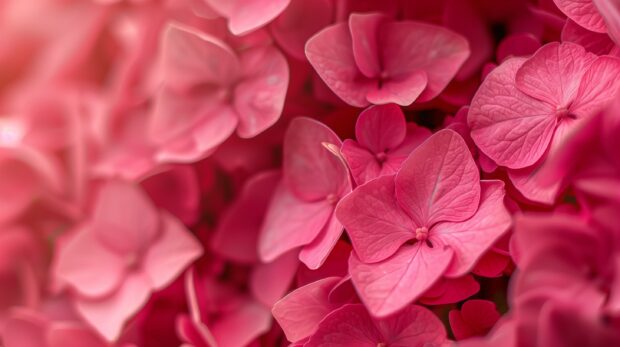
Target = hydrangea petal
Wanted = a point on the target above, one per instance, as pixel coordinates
(392, 284)
(584, 12)
(314, 254)
(364, 37)
(439, 181)
(270, 281)
(451, 290)
(599, 86)
(381, 127)
(363, 164)
(248, 322)
(247, 15)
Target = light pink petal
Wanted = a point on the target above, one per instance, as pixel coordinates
(87, 265)
(236, 236)
(364, 36)
(511, 128)
(599, 86)
(439, 181)
(124, 218)
(392, 284)
(314, 254)
(381, 127)
(451, 290)
(363, 164)
(584, 12)
(347, 326)
(413, 326)
(270, 281)
(170, 253)
(331, 54)
(554, 72)
(300, 312)
(240, 327)
(596, 43)
(247, 15)
(72, 335)
(611, 15)
(259, 98)
(24, 329)
(108, 315)
(290, 223)
(471, 238)
(409, 47)
(401, 90)
(191, 57)
(374, 221)
(311, 171)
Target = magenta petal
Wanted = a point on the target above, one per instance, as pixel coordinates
(347, 326)
(374, 221)
(381, 127)
(471, 238)
(596, 43)
(451, 290)
(270, 281)
(439, 181)
(259, 97)
(247, 15)
(311, 171)
(170, 253)
(402, 90)
(72, 335)
(529, 184)
(475, 318)
(392, 284)
(584, 12)
(413, 326)
(314, 254)
(363, 164)
(300, 312)
(511, 128)
(88, 266)
(554, 72)
(611, 14)
(290, 223)
(24, 329)
(108, 315)
(331, 54)
(240, 327)
(124, 218)
(364, 36)
(598, 87)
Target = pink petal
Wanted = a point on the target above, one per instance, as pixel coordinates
(409, 47)
(248, 15)
(380, 128)
(596, 43)
(18, 188)
(236, 236)
(413, 326)
(363, 164)
(300, 312)
(416, 135)
(24, 329)
(475, 318)
(270, 281)
(89, 266)
(554, 73)
(529, 183)
(310, 170)
(511, 128)
(290, 223)
(584, 12)
(72, 335)
(331, 54)
(336, 265)
(611, 14)
(240, 327)
(451, 290)
(439, 181)
(471, 238)
(364, 36)
(108, 315)
(124, 219)
(194, 333)
(314, 254)
(170, 253)
(491, 265)
(191, 57)
(392, 284)
(374, 221)
(259, 98)
(599, 86)
(516, 45)
(401, 90)
(348, 326)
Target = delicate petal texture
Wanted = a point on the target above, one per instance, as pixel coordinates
(611, 14)
(599, 86)
(248, 322)
(124, 218)
(584, 12)
(380, 128)
(528, 182)
(365, 42)
(259, 98)
(311, 171)
(392, 284)
(402, 90)
(596, 43)
(89, 267)
(471, 238)
(247, 15)
(300, 312)
(413, 326)
(316, 252)
(374, 221)
(348, 326)
(439, 181)
(331, 54)
(270, 281)
(363, 164)
(290, 223)
(554, 73)
(510, 127)
(170, 253)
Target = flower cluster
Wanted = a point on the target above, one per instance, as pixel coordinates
(232, 173)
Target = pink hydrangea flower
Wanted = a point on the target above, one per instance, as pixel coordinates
(433, 218)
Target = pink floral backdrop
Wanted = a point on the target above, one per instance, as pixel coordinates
(358, 173)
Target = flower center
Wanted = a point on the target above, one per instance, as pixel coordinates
(381, 157)
(421, 234)
(564, 112)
